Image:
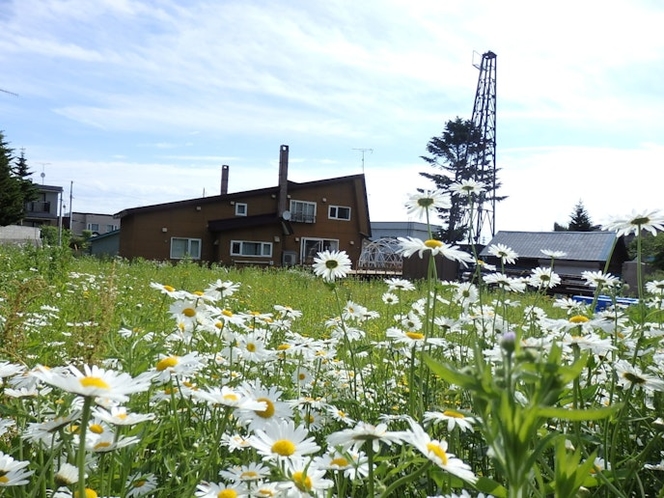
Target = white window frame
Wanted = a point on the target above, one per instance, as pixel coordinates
(266, 248)
(240, 209)
(298, 215)
(311, 246)
(92, 225)
(188, 250)
(333, 213)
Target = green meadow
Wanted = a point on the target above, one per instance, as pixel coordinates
(124, 379)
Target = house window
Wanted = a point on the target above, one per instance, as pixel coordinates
(240, 209)
(303, 211)
(93, 227)
(339, 213)
(185, 248)
(311, 247)
(251, 248)
(110, 228)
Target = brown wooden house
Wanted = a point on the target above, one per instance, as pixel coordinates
(279, 226)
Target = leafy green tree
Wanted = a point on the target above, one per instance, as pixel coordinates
(652, 249)
(452, 152)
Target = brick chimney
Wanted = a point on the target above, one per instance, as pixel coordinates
(224, 179)
(283, 181)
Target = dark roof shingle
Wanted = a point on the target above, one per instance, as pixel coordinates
(579, 246)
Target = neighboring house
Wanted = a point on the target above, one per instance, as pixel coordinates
(96, 223)
(44, 210)
(107, 244)
(281, 226)
(593, 251)
(394, 229)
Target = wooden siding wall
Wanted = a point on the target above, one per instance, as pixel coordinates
(142, 232)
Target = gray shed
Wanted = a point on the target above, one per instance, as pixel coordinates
(584, 251)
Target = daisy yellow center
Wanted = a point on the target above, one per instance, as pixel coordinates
(189, 312)
(331, 264)
(283, 447)
(169, 362)
(139, 484)
(227, 493)
(453, 414)
(3, 479)
(425, 202)
(102, 445)
(433, 244)
(437, 450)
(340, 462)
(94, 382)
(231, 397)
(96, 428)
(301, 376)
(302, 481)
(644, 220)
(248, 475)
(416, 336)
(283, 347)
(169, 288)
(198, 293)
(121, 416)
(227, 313)
(269, 408)
(633, 378)
(251, 347)
(89, 493)
(579, 319)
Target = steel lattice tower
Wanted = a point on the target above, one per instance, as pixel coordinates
(483, 159)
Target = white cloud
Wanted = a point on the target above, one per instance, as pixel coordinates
(141, 101)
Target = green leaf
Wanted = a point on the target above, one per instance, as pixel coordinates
(578, 415)
(452, 376)
(489, 486)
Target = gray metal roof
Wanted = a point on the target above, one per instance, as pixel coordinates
(579, 246)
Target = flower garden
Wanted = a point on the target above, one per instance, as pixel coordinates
(128, 379)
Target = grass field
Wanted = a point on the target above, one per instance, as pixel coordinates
(146, 379)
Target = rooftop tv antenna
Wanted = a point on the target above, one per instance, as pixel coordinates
(363, 151)
(43, 173)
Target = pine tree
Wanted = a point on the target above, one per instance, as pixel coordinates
(22, 173)
(580, 220)
(13, 188)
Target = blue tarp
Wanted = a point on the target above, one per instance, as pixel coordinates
(605, 301)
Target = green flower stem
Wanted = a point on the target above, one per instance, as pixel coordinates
(80, 457)
(410, 477)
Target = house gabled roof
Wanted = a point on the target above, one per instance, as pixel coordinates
(578, 246)
(292, 187)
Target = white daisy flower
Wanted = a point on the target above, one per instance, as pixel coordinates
(651, 221)
(93, 382)
(506, 255)
(331, 265)
(423, 203)
(436, 451)
(282, 439)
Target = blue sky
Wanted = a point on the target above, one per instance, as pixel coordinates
(141, 102)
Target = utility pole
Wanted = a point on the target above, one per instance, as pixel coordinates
(362, 150)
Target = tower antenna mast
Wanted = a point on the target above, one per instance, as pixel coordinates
(483, 156)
